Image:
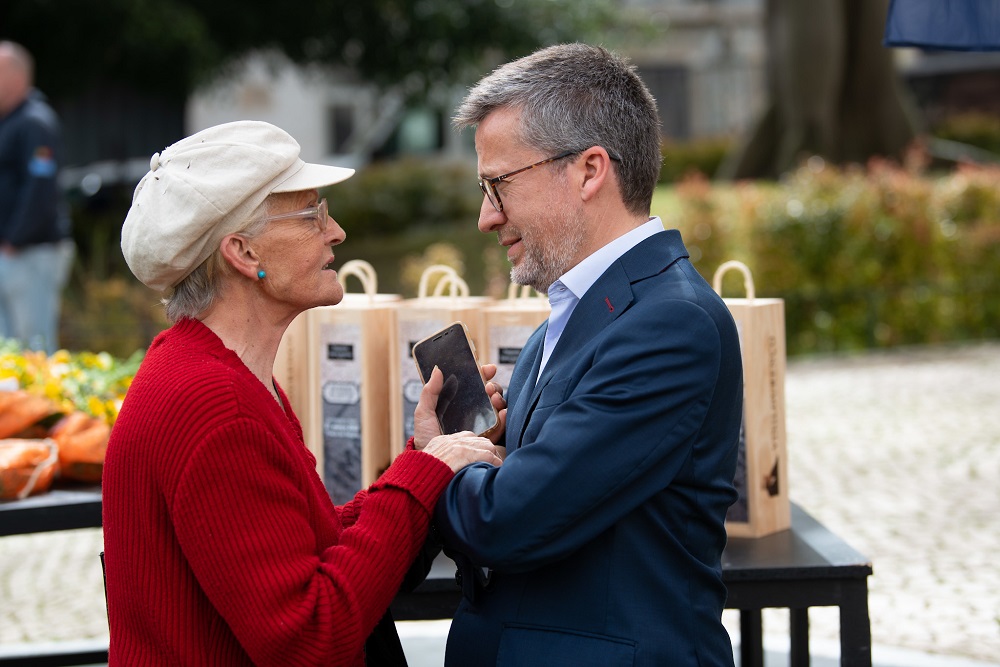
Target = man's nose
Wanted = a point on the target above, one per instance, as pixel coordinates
(490, 219)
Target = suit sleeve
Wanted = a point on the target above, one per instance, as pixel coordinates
(595, 447)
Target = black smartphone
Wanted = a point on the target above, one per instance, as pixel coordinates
(463, 404)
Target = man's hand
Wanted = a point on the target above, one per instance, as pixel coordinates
(425, 422)
(495, 392)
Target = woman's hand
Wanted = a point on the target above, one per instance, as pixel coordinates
(460, 449)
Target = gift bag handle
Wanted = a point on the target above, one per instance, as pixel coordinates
(449, 279)
(456, 286)
(364, 272)
(734, 264)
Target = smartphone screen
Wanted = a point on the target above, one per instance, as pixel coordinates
(464, 404)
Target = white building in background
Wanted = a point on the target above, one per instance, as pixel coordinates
(706, 74)
(336, 118)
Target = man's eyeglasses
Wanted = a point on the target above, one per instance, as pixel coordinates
(489, 185)
(319, 214)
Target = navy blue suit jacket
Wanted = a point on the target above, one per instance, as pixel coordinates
(605, 526)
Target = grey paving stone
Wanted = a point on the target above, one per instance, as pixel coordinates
(898, 452)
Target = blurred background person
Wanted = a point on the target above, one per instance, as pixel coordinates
(36, 249)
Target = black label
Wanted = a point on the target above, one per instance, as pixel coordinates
(340, 351)
(508, 355)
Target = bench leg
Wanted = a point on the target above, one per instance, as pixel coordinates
(751, 638)
(798, 620)
(855, 626)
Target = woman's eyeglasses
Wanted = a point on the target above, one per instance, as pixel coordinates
(319, 214)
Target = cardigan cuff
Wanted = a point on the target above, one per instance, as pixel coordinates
(423, 476)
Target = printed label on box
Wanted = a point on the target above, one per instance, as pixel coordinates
(340, 373)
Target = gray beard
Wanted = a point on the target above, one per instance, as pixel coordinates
(542, 265)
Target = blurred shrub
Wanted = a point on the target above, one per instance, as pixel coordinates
(863, 257)
(700, 156)
(974, 128)
(118, 315)
(396, 196)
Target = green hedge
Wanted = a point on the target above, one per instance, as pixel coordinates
(863, 258)
(394, 197)
(978, 129)
(698, 156)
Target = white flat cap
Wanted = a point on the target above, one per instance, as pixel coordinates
(204, 187)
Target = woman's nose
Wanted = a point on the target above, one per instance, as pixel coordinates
(335, 232)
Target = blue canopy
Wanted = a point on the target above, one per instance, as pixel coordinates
(959, 25)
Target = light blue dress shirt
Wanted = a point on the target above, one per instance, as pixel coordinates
(565, 292)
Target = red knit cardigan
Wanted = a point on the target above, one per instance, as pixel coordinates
(222, 546)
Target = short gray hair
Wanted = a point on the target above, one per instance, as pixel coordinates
(199, 289)
(572, 97)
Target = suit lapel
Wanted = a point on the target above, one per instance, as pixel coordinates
(522, 383)
(603, 303)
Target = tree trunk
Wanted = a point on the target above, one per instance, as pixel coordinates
(832, 89)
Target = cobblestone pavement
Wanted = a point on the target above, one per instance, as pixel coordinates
(897, 452)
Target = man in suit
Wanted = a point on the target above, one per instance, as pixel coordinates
(599, 540)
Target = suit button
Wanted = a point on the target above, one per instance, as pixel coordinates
(458, 577)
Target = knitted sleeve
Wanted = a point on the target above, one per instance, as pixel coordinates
(243, 522)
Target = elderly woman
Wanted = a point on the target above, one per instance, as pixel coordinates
(222, 546)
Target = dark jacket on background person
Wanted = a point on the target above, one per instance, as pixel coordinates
(32, 208)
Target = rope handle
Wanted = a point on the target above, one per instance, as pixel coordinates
(364, 272)
(449, 279)
(42, 467)
(734, 264)
(456, 286)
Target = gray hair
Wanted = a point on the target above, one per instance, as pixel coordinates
(199, 289)
(572, 97)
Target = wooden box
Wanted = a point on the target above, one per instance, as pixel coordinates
(334, 365)
(762, 470)
(506, 327)
(415, 319)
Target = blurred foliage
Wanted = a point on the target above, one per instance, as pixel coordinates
(978, 129)
(699, 156)
(864, 257)
(393, 196)
(168, 47)
(93, 383)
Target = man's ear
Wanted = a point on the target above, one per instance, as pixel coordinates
(240, 255)
(596, 167)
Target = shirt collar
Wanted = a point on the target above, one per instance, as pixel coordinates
(579, 279)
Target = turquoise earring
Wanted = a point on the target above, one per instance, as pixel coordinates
(261, 274)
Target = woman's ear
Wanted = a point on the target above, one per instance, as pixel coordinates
(240, 255)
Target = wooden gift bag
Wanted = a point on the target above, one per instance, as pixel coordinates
(344, 363)
(507, 325)
(416, 319)
(762, 470)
